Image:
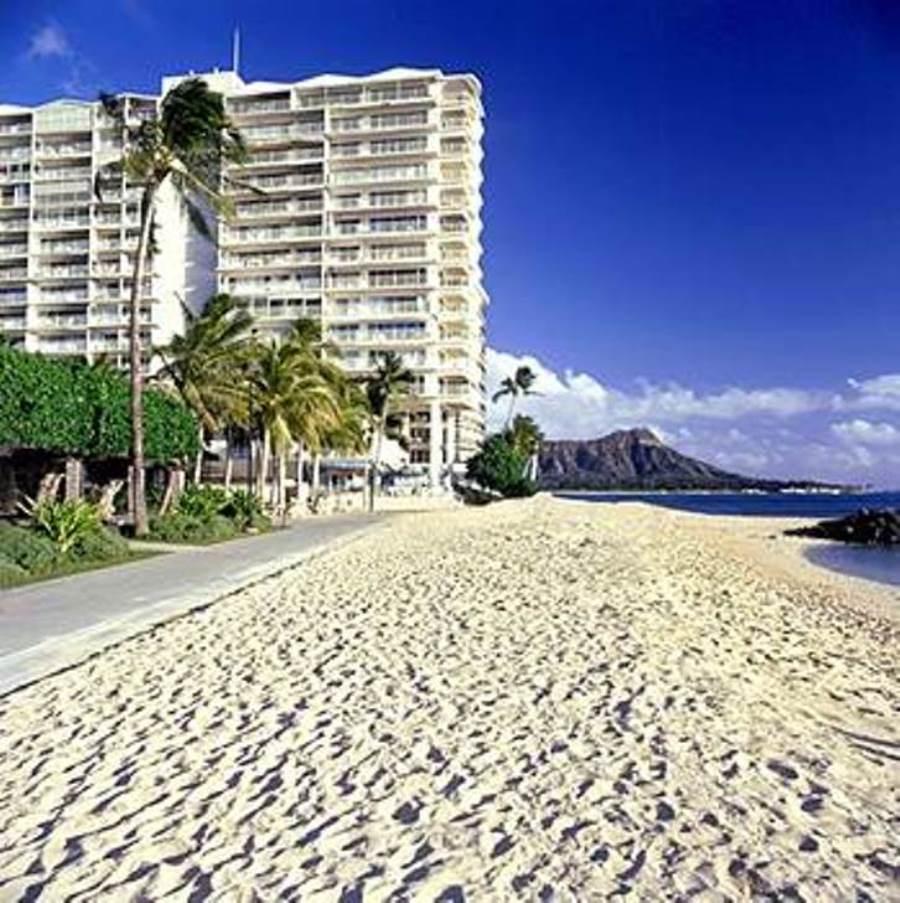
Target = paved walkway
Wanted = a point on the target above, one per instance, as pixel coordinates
(52, 625)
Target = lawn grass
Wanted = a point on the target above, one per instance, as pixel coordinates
(70, 568)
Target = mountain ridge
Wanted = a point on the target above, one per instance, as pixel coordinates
(639, 459)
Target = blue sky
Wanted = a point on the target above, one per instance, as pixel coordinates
(692, 207)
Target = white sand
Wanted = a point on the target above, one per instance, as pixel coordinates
(541, 700)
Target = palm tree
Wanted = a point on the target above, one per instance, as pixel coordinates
(392, 379)
(525, 437)
(514, 386)
(287, 389)
(203, 362)
(185, 147)
(313, 419)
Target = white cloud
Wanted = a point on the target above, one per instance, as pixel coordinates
(578, 405)
(881, 392)
(865, 432)
(776, 431)
(49, 41)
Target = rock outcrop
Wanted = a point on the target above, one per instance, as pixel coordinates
(867, 528)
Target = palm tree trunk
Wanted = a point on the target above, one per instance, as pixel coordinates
(301, 449)
(509, 413)
(198, 460)
(229, 459)
(264, 455)
(281, 496)
(376, 460)
(316, 474)
(138, 476)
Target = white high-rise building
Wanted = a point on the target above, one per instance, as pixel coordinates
(66, 256)
(366, 215)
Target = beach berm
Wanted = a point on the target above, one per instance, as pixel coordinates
(538, 700)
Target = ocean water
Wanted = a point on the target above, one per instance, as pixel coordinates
(880, 565)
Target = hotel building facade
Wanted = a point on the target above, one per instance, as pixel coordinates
(364, 213)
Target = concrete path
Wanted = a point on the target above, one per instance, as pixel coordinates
(48, 626)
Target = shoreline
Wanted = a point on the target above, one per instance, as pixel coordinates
(534, 699)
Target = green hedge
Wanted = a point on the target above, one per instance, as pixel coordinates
(72, 408)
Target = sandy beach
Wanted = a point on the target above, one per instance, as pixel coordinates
(541, 700)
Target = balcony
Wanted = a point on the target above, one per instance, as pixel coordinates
(63, 321)
(13, 297)
(62, 174)
(15, 128)
(61, 222)
(63, 272)
(15, 173)
(13, 274)
(20, 224)
(8, 154)
(258, 107)
(276, 183)
(397, 173)
(62, 297)
(398, 280)
(268, 158)
(277, 286)
(263, 209)
(233, 236)
(63, 150)
(255, 135)
(13, 250)
(12, 324)
(66, 346)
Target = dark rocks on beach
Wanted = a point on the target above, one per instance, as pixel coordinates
(870, 528)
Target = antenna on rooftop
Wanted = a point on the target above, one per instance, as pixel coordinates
(236, 50)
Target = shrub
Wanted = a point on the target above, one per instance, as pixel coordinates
(244, 510)
(500, 467)
(102, 544)
(10, 572)
(203, 501)
(73, 408)
(178, 527)
(27, 549)
(65, 524)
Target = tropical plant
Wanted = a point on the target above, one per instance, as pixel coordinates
(185, 147)
(245, 511)
(499, 466)
(202, 364)
(288, 389)
(525, 436)
(515, 386)
(32, 552)
(392, 380)
(66, 523)
(202, 501)
(315, 414)
(74, 409)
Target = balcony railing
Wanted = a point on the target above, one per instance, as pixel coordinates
(63, 247)
(13, 298)
(251, 107)
(61, 222)
(57, 297)
(14, 225)
(62, 321)
(10, 323)
(286, 233)
(63, 150)
(13, 274)
(16, 250)
(264, 134)
(63, 174)
(15, 128)
(62, 272)
(273, 208)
